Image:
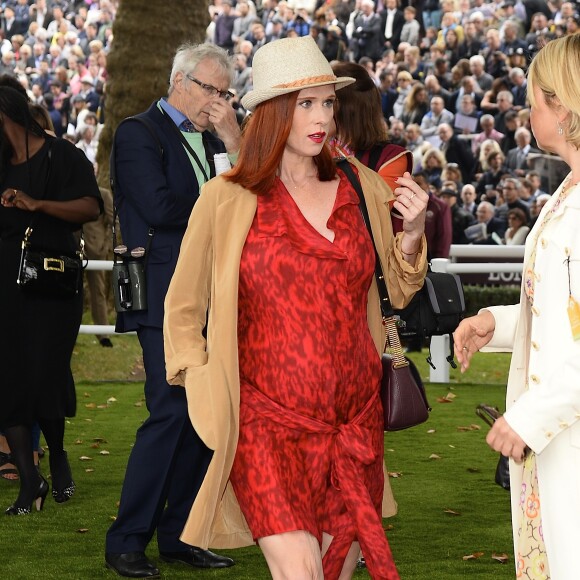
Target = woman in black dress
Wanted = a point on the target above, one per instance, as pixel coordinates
(51, 180)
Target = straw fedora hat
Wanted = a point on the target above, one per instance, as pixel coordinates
(288, 65)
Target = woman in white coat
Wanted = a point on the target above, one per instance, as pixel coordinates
(540, 431)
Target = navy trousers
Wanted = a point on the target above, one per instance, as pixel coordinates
(166, 466)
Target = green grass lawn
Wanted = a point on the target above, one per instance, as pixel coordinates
(449, 506)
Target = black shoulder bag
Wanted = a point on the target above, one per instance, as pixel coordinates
(47, 273)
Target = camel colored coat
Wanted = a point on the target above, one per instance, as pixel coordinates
(547, 358)
(206, 282)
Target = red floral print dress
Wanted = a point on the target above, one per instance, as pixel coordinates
(310, 450)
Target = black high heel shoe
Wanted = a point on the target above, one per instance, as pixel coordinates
(64, 493)
(38, 501)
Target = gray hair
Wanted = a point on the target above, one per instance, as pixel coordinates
(477, 58)
(188, 56)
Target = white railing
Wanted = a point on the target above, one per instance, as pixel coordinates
(439, 344)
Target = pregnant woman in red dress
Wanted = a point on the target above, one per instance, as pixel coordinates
(277, 265)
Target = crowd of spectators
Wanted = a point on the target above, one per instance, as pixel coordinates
(452, 77)
(451, 74)
(57, 49)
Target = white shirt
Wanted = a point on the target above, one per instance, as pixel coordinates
(389, 24)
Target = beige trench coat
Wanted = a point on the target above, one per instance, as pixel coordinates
(206, 278)
(547, 359)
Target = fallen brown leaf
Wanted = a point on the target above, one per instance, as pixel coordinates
(87, 395)
(394, 474)
(82, 530)
(388, 527)
(79, 442)
(90, 406)
(434, 456)
(104, 452)
(501, 558)
(138, 404)
(85, 458)
(99, 440)
(102, 406)
(111, 400)
(451, 512)
(431, 431)
(95, 446)
(474, 556)
(89, 470)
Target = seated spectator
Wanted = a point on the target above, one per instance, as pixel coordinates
(460, 219)
(432, 165)
(468, 87)
(511, 41)
(477, 68)
(519, 89)
(468, 198)
(434, 89)
(404, 83)
(467, 117)
(472, 44)
(415, 106)
(453, 47)
(517, 158)
(442, 73)
(488, 132)
(510, 188)
(397, 132)
(456, 151)
(512, 122)
(449, 21)
(491, 178)
(536, 207)
(414, 142)
(518, 229)
(389, 95)
(505, 101)
(536, 181)
(437, 115)
(452, 174)
(489, 102)
(412, 60)
(485, 215)
(411, 29)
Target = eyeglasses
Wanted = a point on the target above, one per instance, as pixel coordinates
(210, 90)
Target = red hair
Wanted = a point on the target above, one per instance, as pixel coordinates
(263, 143)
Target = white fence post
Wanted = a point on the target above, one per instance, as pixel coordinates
(439, 344)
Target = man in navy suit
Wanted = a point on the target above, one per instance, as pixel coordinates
(160, 164)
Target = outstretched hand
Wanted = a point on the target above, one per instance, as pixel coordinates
(472, 334)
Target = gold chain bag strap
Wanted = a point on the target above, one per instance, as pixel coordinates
(402, 392)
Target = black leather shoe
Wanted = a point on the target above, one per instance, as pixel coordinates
(198, 558)
(131, 565)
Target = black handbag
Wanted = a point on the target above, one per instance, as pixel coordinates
(49, 274)
(402, 391)
(502, 470)
(436, 310)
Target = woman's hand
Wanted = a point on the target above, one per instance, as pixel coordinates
(504, 439)
(472, 334)
(18, 199)
(411, 203)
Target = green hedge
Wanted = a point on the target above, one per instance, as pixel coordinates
(477, 297)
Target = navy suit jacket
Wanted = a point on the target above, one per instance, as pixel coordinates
(155, 191)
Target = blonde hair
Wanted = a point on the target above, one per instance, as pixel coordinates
(554, 71)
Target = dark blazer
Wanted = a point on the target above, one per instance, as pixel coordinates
(367, 37)
(398, 23)
(459, 152)
(513, 162)
(494, 225)
(159, 192)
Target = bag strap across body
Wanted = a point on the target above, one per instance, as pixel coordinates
(389, 320)
(113, 182)
(28, 233)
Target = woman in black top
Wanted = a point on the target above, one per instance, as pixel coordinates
(51, 182)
